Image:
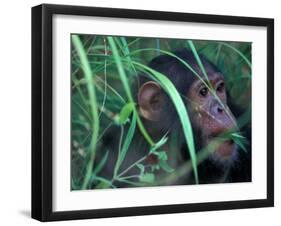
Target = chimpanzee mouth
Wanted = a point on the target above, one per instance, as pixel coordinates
(223, 150)
(226, 149)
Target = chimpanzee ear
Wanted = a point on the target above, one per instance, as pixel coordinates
(150, 101)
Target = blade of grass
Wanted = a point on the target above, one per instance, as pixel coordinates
(125, 113)
(104, 183)
(171, 90)
(175, 56)
(127, 53)
(86, 113)
(112, 90)
(119, 151)
(105, 78)
(117, 41)
(194, 51)
(126, 144)
(237, 51)
(134, 41)
(239, 140)
(76, 81)
(101, 164)
(94, 108)
(218, 53)
(127, 89)
(130, 182)
(158, 45)
(125, 45)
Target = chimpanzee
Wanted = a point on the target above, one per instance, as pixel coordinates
(209, 114)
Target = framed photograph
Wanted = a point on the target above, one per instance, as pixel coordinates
(145, 112)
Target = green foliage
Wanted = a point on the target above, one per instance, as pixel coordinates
(126, 112)
(125, 82)
(171, 90)
(240, 141)
(92, 96)
(126, 144)
(147, 178)
(104, 69)
(192, 47)
(163, 158)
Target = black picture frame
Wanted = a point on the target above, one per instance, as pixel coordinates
(42, 108)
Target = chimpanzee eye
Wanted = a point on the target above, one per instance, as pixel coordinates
(203, 91)
(220, 87)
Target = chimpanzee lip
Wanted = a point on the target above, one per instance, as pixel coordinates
(225, 149)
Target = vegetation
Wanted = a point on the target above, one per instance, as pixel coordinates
(103, 70)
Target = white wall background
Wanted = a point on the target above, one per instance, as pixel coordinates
(15, 113)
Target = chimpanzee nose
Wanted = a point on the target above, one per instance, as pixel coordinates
(220, 109)
(217, 109)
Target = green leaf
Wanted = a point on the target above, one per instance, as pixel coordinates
(162, 155)
(161, 142)
(141, 167)
(155, 167)
(126, 143)
(126, 112)
(193, 49)
(147, 178)
(101, 164)
(94, 108)
(240, 141)
(181, 109)
(125, 45)
(105, 183)
(237, 135)
(164, 165)
(126, 85)
(130, 182)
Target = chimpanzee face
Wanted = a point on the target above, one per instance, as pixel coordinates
(210, 115)
(206, 101)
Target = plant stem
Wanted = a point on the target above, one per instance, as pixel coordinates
(131, 166)
(127, 88)
(94, 109)
(119, 151)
